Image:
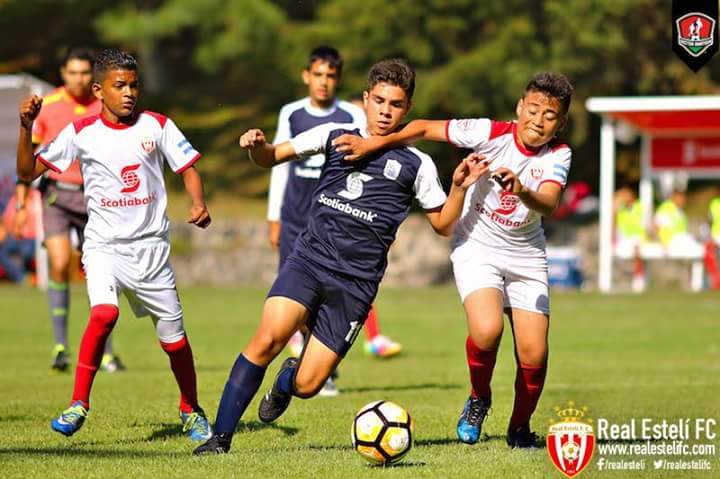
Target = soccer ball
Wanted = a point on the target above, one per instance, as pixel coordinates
(382, 432)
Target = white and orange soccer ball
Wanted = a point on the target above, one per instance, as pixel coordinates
(382, 432)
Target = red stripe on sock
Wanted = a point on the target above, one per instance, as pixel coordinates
(183, 367)
(100, 325)
(372, 328)
(529, 382)
(481, 363)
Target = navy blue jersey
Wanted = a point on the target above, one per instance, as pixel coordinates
(292, 184)
(357, 207)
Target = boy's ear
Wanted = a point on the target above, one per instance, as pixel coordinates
(306, 76)
(97, 90)
(519, 107)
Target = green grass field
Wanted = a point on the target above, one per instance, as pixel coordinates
(655, 355)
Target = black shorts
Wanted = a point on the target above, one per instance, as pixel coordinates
(338, 304)
(63, 210)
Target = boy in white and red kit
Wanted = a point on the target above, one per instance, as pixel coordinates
(122, 154)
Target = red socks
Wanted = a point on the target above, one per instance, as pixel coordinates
(481, 364)
(372, 328)
(529, 381)
(101, 323)
(183, 367)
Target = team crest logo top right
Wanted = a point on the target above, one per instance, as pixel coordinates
(695, 28)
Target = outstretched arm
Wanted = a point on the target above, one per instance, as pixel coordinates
(27, 167)
(199, 215)
(263, 153)
(470, 169)
(356, 147)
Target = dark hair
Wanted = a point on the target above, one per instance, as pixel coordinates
(555, 85)
(395, 71)
(326, 54)
(113, 59)
(79, 53)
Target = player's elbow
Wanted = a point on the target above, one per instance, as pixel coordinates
(444, 229)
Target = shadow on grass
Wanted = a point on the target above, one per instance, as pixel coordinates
(399, 465)
(90, 452)
(251, 426)
(168, 430)
(406, 387)
(451, 441)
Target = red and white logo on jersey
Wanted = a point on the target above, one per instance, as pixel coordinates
(508, 203)
(148, 144)
(130, 178)
(536, 173)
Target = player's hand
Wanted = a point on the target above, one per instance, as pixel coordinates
(274, 234)
(355, 147)
(253, 139)
(507, 180)
(199, 216)
(29, 110)
(470, 169)
(19, 223)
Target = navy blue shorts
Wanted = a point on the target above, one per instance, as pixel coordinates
(338, 304)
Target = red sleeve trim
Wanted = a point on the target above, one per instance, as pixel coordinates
(551, 181)
(499, 128)
(189, 164)
(49, 165)
(558, 144)
(162, 119)
(447, 132)
(83, 122)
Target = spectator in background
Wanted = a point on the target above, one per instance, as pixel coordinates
(714, 217)
(671, 224)
(17, 245)
(630, 231)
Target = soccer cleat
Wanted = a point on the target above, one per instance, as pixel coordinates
(521, 437)
(60, 358)
(296, 344)
(111, 363)
(382, 347)
(329, 389)
(274, 403)
(70, 420)
(217, 444)
(471, 419)
(196, 425)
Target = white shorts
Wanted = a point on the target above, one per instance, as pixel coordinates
(523, 279)
(140, 270)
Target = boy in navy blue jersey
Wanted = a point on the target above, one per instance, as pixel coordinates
(330, 279)
(292, 183)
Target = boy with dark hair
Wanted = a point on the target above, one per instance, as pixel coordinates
(121, 153)
(63, 201)
(292, 184)
(499, 258)
(330, 279)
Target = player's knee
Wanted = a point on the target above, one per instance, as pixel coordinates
(486, 336)
(170, 331)
(105, 316)
(269, 344)
(307, 387)
(532, 355)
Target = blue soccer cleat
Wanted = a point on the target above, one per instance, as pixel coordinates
(471, 419)
(196, 425)
(70, 420)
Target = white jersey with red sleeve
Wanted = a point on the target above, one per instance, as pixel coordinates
(122, 168)
(494, 217)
